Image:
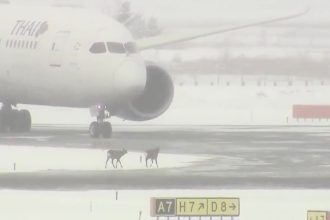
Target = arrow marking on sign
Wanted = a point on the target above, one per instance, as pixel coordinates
(233, 207)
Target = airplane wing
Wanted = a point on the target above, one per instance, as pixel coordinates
(157, 41)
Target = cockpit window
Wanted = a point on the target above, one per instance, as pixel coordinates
(98, 48)
(114, 47)
(130, 47)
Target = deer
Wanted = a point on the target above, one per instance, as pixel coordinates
(152, 155)
(115, 155)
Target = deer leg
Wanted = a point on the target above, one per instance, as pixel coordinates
(147, 162)
(120, 163)
(113, 163)
(156, 163)
(106, 163)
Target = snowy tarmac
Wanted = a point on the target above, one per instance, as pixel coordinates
(191, 157)
(278, 166)
(38, 159)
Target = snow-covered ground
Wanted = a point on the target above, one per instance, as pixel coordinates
(219, 100)
(102, 205)
(31, 159)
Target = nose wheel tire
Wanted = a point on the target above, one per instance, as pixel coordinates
(94, 130)
(103, 129)
(15, 121)
(27, 120)
(106, 130)
(21, 121)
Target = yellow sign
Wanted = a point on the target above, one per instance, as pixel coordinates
(191, 207)
(316, 215)
(223, 207)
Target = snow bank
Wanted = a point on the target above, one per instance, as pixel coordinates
(31, 159)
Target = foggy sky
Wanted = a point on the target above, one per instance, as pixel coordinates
(171, 11)
(235, 10)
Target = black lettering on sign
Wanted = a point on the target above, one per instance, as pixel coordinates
(182, 206)
(223, 206)
(192, 203)
(214, 206)
(165, 207)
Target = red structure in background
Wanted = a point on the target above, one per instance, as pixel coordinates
(311, 111)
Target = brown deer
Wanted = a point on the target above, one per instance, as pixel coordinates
(152, 155)
(115, 155)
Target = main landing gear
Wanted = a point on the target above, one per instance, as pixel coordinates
(101, 127)
(12, 120)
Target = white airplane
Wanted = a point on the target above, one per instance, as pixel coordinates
(75, 58)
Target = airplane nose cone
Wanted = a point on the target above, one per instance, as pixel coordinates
(130, 79)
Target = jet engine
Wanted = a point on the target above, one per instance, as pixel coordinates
(155, 99)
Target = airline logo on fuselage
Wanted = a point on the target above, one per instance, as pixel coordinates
(29, 28)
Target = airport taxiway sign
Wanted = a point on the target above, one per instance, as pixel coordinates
(162, 207)
(224, 207)
(318, 215)
(191, 207)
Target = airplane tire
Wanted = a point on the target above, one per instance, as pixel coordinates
(2, 126)
(94, 130)
(14, 120)
(106, 130)
(26, 121)
(6, 120)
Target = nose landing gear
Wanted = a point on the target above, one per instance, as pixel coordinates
(101, 127)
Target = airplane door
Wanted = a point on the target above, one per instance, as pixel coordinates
(57, 50)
